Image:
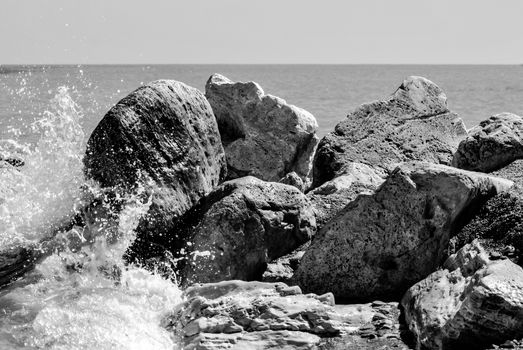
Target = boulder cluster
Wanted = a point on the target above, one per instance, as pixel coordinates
(404, 228)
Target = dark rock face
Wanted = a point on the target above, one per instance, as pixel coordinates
(473, 303)
(263, 136)
(413, 124)
(493, 144)
(380, 244)
(499, 227)
(243, 225)
(164, 137)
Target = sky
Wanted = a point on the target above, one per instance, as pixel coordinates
(261, 31)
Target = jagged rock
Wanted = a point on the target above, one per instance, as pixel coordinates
(294, 180)
(256, 315)
(164, 137)
(243, 225)
(282, 269)
(498, 225)
(413, 124)
(263, 136)
(470, 304)
(380, 244)
(331, 197)
(493, 144)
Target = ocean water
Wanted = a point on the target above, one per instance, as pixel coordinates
(329, 92)
(70, 301)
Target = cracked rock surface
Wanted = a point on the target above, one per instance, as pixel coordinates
(413, 124)
(255, 315)
(381, 244)
(472, 303)
(263, 135)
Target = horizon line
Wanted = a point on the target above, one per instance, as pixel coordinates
(261, 64)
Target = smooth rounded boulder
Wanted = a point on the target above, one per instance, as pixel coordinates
(473, 303)
(381, 244)
(413, 124)
(162, 138)
(263, 135)
(493, 144)
(243, 225)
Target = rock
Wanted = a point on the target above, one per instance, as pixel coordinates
(294, 180)
(256, 315)
(253, 315)
(263, 135)
(282, 269)
(162, 137)
(498, 225)
(413, 124)
(513, 172)
(331, 197)
(243, 225)
(493, 144)
(380, 244)
(471, 303)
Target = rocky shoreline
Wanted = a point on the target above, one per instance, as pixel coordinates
(399, 229)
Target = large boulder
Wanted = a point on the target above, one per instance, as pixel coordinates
(470, 304)
(164, 139)
(256, 315)
(380, 244)
(334, 195)
(493, 144)
(263, 136)
(413, 124)
(243, 225)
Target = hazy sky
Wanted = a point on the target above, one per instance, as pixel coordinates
(262, 31)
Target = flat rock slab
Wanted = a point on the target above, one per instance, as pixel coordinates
(470, 304)
(263, 135)
(256, 315)
(493, 144)
(413, 124)
(381, 244)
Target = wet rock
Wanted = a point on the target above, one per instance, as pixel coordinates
(380, 244)
(282, 269)
(243, 225)
(498, 225)
(413, 124)
(263, 135)
(493, 144)
(162, 137)
(254, 315)
(331, 197)
(471, 303)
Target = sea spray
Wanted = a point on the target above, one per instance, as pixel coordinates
(82, 295)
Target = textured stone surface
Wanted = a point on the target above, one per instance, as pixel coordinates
(293, 179)
(263, 136)
(331, 197)
(470, 304)
(413, 124)
(513, 172)
(499, 226)
(164, 137)
(255, 315)
(380, 244)
(243, 225)
(493, 144)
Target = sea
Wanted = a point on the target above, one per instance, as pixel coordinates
(69, 301)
